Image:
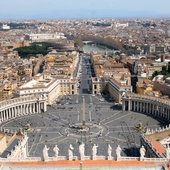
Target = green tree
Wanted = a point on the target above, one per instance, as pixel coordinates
(155, 73)
(78, 42)
(163, 70)
(34, 49)
(168, 67)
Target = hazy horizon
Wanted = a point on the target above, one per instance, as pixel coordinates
(75, 9)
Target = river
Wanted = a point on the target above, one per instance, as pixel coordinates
(93, 47)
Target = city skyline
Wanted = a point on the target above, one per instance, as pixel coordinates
(75, 9)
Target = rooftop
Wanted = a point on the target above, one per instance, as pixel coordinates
(158, 136)
(92, 164)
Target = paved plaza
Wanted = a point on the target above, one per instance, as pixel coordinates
(106, 124)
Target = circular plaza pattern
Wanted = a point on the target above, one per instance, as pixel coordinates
(106, 123)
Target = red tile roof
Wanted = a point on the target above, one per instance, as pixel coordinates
(158, 146)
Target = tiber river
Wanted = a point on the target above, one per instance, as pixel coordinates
(93, 47)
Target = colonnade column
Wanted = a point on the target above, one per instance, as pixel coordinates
(153, 106)
(123, 104)
(12, 112)
(137, 106)
(140, 107)
(30, 108)
(129, 105)
(23, 109)
(147, 108)
(37, 107)
(2, 116)
(168, 114)
(144, 107)
(134, 105)
(6, 114)
(150, 108)
(45, 106)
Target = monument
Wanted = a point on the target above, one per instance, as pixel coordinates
(109, 150)
(94, 151)
(81, 151)
(70, 152)
(56, 151)
(142, 152)
(45, 153)
(118, 152)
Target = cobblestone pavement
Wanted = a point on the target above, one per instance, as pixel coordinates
(106, 124)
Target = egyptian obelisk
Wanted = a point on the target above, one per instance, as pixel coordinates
(83, 115)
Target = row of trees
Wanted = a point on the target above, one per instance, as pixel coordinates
(34, 49)
(108, 42)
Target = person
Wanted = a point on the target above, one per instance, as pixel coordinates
(45, 153)
(118, 151)
(94, 149)
(142, 152)
(56, 150)
(81, 150)
(109, 151)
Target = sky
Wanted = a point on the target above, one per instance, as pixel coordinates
(77, 9)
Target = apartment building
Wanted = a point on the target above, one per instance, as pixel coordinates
(119, 84)
(110, 76)
(43, 37)
(145, 86)
(162, 85)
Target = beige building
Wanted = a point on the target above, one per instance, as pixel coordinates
(119, 84)
(52, 87)
(96, 85)
(110, 77)
(44, 37)
(162, 85)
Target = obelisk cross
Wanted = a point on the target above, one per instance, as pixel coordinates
(83, 115)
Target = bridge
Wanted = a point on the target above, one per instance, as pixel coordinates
(88, 42)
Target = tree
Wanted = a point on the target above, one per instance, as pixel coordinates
(168, 67)
(155, 73)
(164, 70)
(34, 49)
(78, 42)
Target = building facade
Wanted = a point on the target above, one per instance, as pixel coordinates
(52, 87)
(44, 37)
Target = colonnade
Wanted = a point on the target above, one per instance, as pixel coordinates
(22, 106)
(146, 104)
